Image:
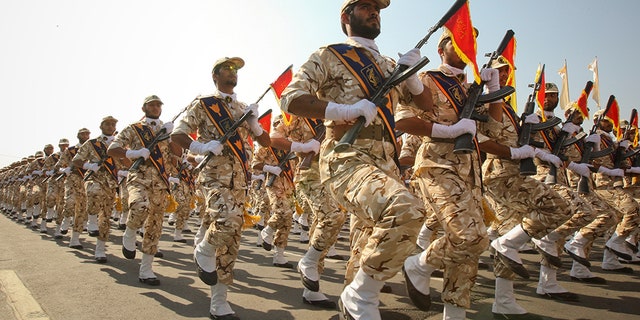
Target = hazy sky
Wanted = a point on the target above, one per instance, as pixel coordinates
(66, 64)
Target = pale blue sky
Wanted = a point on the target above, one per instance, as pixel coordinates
(65, 64)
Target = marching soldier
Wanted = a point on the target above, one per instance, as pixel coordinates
(55, 188)
(224, 178)
(365, 180)
(148, 185)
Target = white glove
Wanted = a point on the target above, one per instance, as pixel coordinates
(50, 173)
(198, 158)
(109, 140)
(580, 168)
(138, 153)
(544, 155)
(595, 139)
(173, 180)
(212, 146)
(168, 127)
(611, 172)
(346, 112)
(532, 119)
(570, 128)
(257, 177)
(65, 170)
(256, 127)
(312, 145)
(123, 173)
(491, 77)
(455, 130)
(625, 144)
(523, 152)
(91, 166)
(409, 59)
(635, 170)
(37, 172)
(272, 169)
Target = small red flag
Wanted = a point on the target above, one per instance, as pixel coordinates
(582, 100)
(278, 87)
(541, 94)
(613, 113)
(509, 54)
(633, 125)
(265, 121)
(463, 38)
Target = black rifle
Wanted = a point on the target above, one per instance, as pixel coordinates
(561, 142)
(464, 143)
(399, 74)
(527, 166)
(272, 178)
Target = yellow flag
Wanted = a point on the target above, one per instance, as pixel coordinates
(595, 93)
(564, 92)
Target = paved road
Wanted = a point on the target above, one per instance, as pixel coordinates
(67, 284)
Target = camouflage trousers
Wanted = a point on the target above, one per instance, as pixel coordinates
(521, 199)
(627, 215)
(326, 217)
(282, 207)
(183, 196)
(380, 201)
(75, 202)
(457, 204)
(38, 196)
(146, 208)
(224, 215)
(100, 201)
(55, 194)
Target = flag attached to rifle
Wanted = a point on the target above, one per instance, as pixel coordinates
(541, 93)
(593, 66)
(509, 54)
(613, 114)
(278, 87)
(463, 38)
(633, 125)
(582, 101)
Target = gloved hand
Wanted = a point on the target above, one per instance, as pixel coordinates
(168, 127)
(457, 129)
(65, 170)
(312, 145)
(49, 173)
(532, 119)
(272, 169)
(198, 158)
(346, 112)
(611, 172)
(139, 153)
(257, 177)
(91, 166)
(408, 59)
(570, 128)
(580, 168)
(635, 170)
(212, 146)
(544, 155)
(523, 152)
(173, 180)
(256, 127)
(123, 173)
(37, 172)
(625, 144)
(595, 139)
(491, 78)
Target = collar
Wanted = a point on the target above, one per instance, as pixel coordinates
(454, 72)
(549, 114)
(368, 44)
(225, 95)
(151, 122)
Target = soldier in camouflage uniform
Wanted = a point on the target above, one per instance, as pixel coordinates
(449, 183)
(38, 189)
(224, 179)
(183, 191)
(55, 188)
(365, 180)
(148, 185)
(101, 181)
(75, 196)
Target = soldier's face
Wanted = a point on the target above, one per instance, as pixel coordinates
(577, 118)
(449, 55)
(550, 101)
(503, 75)
(227, 75)
(152, 109)
(108, 128)
(48, 150)
(83, 136)
(364, 20)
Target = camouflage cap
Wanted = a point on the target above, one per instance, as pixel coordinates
(151, 98)
(237, 63)
(598, 113)
(39, 154)
(48, 145)
(381, 4)
(108, 118)
(63, 141)
(499, 62)
(550, 87)
(624, 123)
(83, 130)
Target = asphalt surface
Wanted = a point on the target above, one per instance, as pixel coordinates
(67, 284)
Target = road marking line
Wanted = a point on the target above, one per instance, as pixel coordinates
(19, 297)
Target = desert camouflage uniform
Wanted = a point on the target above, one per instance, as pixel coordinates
(36, 201)
(450, 183)
(516, 198)
(224, 185)
(55, 189)
(147, 190)
(365, 180)
(75, 196)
